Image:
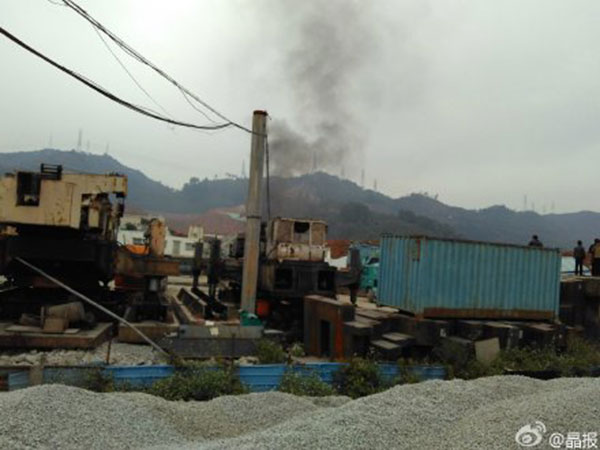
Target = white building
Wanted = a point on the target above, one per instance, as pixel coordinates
(133, 228)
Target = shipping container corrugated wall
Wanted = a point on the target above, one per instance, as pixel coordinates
(452, 278)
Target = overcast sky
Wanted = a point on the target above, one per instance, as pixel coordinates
(481, 102)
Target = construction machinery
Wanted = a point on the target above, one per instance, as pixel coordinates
(292, 259)
(291, 265)
(58, 226)
(269, 269)
(65, 225)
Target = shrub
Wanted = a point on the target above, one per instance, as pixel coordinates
(97, 381)
(460, 363)
(405, 375)
(305, 384)
(359, 378)
(454, 356)
(578, 358)
(198, 383)
(270, 352)
(296, 350)
(528, 359)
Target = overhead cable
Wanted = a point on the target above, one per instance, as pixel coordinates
(129, 73)
(187, 94)
(96, 87)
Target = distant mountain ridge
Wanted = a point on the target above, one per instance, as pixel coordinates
(351, 211)
(144, 193)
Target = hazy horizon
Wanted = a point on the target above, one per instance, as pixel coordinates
(480, 103)
(227, 176)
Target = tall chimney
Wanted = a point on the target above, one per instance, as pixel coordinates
(253, 212)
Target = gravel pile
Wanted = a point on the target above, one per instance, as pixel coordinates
(484, 413)
(563, 405)
(56, 416)
(120, 354)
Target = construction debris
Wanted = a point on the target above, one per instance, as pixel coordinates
(483, 413)
(120, 354)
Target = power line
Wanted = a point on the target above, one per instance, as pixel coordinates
(128, 72)
(96, 87)
(136, 82)
(136, 55)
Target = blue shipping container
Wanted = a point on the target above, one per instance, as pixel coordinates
(433, 277)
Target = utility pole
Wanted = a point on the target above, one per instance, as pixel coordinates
(253, 212)
(79, 140)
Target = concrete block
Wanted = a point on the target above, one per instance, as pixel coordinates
(591, 287)
(470, 329)
(544, 334)
(55, 325)
(487, 350)
(386, 349)
(508, 335)
(466, 344)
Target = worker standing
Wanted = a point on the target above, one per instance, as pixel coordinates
(591, 252)
(596, 258)
(535, 242)
(579, 255)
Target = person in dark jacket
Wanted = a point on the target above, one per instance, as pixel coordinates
(595, 254)
(579, 255)
(535, 242)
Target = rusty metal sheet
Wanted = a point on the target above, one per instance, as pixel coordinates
(318, 309)
(483, 313)
(84, 339)
(319, 233)
(129, 264)
(283, 231)
(60, 200)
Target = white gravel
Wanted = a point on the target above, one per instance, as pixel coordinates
(56, 416)
(120, 354)
(484, 413)
(479, 414)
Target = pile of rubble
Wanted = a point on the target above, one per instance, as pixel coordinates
(120, 354)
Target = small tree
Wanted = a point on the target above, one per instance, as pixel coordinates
(307, 384)
(359, 378)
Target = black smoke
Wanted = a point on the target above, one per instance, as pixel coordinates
(333, 42)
